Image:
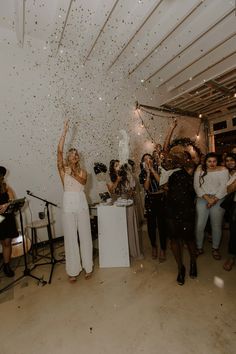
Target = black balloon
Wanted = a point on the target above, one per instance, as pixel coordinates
(99, 167)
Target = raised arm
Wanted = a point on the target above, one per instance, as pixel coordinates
(149, 169)
(60, 148)
(169, 135)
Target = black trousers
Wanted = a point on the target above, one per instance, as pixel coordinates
(232, 231)
(156, 218)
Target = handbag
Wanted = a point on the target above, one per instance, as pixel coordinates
(227, 203)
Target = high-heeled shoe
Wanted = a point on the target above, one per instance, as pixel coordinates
(8, 271)
(193, 270)
(181, 276)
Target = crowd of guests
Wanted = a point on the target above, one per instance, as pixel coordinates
(193, 194)
(184, 193)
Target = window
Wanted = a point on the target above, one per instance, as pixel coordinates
(220, 125)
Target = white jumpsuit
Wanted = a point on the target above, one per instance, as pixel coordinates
(79, 255)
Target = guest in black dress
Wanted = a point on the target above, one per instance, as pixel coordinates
(181, 216)
(8, 229)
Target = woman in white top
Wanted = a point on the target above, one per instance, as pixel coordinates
(210, 186)
(76, 217)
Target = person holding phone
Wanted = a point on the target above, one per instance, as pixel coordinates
(154, 204)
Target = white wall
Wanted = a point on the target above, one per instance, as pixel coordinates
(36, 90)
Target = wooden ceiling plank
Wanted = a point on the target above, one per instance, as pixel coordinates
(187, 96)
(188, 46)
(101, 30)
(218, 45)
(218, 87)
(63, 11)
(214, 107)
(165, 37)
(20, 21)
(136, 32)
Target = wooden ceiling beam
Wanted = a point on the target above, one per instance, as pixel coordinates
(165, 38)
(218, 105)
(63, 11)
(101, 31)
(187, 47)
(183, 101)
(214, 85)
(20, 21)
(136, 32)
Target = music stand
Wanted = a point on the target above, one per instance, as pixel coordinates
(53, 260)
(13, 207)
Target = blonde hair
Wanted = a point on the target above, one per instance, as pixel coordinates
(68, 154)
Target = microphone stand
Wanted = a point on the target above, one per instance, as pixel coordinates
(53, 260)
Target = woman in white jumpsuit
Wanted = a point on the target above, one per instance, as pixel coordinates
(76, 219)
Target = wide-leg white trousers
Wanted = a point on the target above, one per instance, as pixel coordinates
(79, 255)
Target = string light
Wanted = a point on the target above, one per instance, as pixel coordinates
(200, 115)
(143, 125)
(156, 115)
(198, 132)
(141, 109)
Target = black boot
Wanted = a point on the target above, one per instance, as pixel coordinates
(181, 276)
(8, 271)
(193, 270)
